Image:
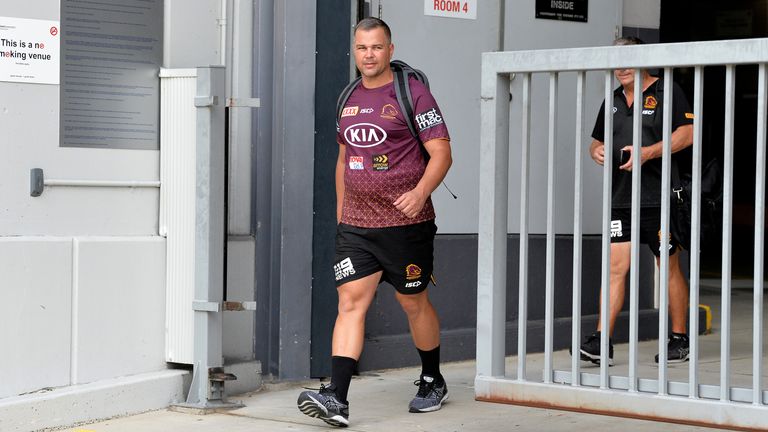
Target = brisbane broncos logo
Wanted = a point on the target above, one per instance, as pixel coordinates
(412, 271)
(388, 111)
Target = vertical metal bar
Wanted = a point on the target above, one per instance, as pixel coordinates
(634, 273)
(757, 315)
(693, 320)
(209, 232)
(725, 317)
(492, 228)
(522, 313)
(577, 228)
(605, 277)
(549, 301)
(666, 164)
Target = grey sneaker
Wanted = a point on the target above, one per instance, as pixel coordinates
(430, 396)
(325, 406)
(678, 348)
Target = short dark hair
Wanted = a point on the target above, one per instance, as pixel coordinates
(628, 40)
(371, 23)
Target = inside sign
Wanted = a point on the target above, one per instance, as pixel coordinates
(465, 9)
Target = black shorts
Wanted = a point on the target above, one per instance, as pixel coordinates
(403, 253)
(650, 228)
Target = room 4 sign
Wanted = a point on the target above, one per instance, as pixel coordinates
(465, 9)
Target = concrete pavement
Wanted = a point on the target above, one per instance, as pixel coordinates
(379, 403)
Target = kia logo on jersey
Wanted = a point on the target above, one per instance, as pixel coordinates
(364, 135)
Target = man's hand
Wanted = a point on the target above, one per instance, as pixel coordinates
(411, 203)
(597, 151)
(644, 156)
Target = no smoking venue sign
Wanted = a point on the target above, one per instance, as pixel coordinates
(29, 50)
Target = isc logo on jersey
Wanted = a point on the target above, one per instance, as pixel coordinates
(364, 135)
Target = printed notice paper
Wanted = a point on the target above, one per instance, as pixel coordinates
(29, 50)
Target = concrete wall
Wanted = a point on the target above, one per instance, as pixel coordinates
(80, 309)
(82, 270)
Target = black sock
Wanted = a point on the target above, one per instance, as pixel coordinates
(342, 369)
(430, 363)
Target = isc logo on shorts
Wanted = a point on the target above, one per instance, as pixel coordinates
(616, 230)
(413, 284)
(343, 268)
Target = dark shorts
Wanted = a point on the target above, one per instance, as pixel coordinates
(650, 229)
(403, 253)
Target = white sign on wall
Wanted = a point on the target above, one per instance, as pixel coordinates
(466, 9)
(29, 50)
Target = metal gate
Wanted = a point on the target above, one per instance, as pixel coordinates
(658, 398)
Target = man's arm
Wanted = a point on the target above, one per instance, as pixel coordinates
(681, 138)
(341, 162)
(411, 202)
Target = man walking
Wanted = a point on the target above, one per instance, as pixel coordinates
(650, 201)
(386, 224)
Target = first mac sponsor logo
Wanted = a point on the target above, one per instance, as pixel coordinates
(364, 135)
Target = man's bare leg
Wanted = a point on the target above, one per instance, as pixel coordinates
(620, 260)
(354, 299)
(422, 319)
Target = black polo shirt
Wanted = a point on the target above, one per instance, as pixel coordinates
(653, 128)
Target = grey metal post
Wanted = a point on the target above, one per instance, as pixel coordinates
(209, 234)
(634, 257)
(664, 258)
(492, 229)
(522, 289)
(757, 342)
(695, 255)
(549, 313)
(605, 276)
(725, 318)
(577, 230)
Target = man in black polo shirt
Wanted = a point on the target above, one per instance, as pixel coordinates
(650, 201)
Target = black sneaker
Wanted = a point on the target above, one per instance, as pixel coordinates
(590, 349)
(430, 396)
(325, 406)
(678, 348)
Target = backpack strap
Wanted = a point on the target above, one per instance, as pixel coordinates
(404, 99)
(344, 97)
(402, 73)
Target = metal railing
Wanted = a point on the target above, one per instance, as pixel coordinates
(659, 398)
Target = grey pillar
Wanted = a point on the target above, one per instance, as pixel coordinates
(209, 233)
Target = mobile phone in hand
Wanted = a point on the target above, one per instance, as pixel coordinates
(624, 157)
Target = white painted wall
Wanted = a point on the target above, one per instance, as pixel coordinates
(642, 13)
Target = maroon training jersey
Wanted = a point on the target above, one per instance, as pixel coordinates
(383, 159)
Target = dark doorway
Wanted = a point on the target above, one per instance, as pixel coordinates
(703, 20)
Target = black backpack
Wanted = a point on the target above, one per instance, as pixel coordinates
(402, 72)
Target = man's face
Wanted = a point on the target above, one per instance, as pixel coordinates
(373, 51)
(625, 76)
